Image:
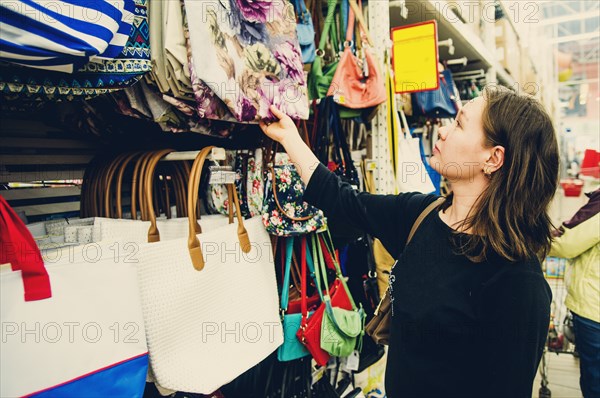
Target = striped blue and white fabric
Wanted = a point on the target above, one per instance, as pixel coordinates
(63, 35)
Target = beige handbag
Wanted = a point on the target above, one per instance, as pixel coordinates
(155, 22)
(175, 51)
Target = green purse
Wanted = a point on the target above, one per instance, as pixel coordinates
(320, 77)
(341, 330)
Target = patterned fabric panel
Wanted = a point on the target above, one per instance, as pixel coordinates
(92, 79)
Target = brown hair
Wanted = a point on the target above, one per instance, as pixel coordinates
(510, 217)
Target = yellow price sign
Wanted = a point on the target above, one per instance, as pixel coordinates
(415, 57)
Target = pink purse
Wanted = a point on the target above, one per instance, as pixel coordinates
(357, 84)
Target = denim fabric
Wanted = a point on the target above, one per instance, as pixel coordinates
(587, 338)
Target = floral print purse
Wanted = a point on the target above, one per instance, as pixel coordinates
(284, 212)
(247, 53)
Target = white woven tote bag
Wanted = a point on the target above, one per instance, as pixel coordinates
(210, 308)
(84, 336)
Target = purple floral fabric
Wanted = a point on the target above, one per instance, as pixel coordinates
(244, 57)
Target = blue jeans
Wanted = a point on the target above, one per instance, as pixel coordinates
(587, 340)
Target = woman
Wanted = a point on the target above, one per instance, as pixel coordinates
(579, 241)
(471, 307)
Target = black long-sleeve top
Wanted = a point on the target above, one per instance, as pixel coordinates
(459, 328)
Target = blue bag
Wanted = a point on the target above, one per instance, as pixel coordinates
(439, 103)
(306, 32)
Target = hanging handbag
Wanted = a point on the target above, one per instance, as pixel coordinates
(379, 327)
(310, 330)
(249, 56)
(357, 84)
(305, 31)
(175, 52)
(440, 103)
(413, 176)
(292, 348)
(284, 211)
(341, 327)
(410, 174)
(320, 75)
(79, 306)
(332, 128)
(94, 78)
(202, 329)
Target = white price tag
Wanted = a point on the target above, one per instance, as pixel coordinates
(222, 177)
(218, 154)
(352, 361)
(317, 374)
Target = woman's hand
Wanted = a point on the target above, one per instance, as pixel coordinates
(285, 132)
(279, 130)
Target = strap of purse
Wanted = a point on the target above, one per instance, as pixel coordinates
(329, 244)
(303, 288)
(329, 19)
(422, 216)
(285, 288)
(414, 228)
(361, 21)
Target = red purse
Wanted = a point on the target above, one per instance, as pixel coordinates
(310, 330)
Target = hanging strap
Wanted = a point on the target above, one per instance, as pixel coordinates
(20, 250)
(329, 24)
(285, 288)
(329, 244)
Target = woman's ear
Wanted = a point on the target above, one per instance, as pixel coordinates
(496, 159)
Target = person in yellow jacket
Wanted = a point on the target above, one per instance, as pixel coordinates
(580, 243)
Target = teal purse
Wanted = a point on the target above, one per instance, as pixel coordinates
(341, 329)
(292, 348)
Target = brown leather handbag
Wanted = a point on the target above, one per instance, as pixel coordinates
(379, 327)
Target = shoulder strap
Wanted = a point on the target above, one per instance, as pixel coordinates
(422, 216)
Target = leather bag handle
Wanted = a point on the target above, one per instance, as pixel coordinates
(274, 188)
(119, 183)
(109, 177)
(153, 234)
(422, 216)
(193, 242)
(136, 180)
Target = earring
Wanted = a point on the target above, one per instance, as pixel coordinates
(487, 171)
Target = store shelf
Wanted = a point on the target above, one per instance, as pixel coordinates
(466, 42)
